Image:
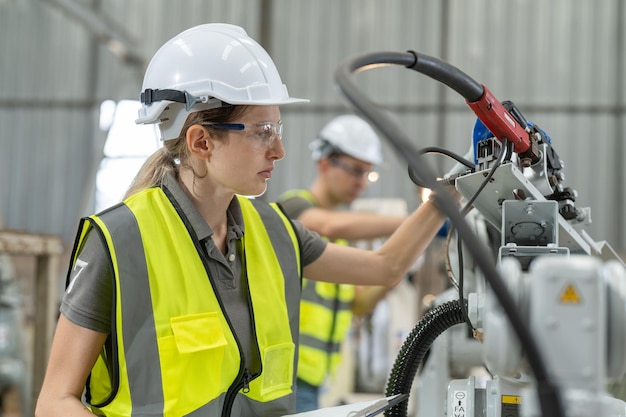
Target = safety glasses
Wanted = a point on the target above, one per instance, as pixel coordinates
(355, 172)
(261, 134)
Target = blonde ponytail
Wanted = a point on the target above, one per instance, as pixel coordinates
(174, 153)
(152, 171)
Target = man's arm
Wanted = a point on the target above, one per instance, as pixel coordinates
(349, 225)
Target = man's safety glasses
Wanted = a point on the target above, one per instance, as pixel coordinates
(355, 172)
(262, 134)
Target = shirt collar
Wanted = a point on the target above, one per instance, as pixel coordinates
(199, 225)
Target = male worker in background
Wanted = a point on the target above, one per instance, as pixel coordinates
(346, 151)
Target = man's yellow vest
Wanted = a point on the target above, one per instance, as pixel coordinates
(325, 318)
(173, 351)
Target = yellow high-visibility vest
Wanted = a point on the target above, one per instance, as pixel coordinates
(173, 347)
(325, 318)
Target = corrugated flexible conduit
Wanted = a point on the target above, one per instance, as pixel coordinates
(415, 347)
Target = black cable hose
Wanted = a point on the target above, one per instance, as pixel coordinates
(449, 75)
(415, 347)
(441, 151)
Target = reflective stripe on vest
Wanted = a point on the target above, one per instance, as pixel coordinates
(325, 318)
(163, 295)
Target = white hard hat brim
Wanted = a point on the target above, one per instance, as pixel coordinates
(151, 114)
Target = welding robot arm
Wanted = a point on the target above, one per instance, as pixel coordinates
(527, 159)
(582, 341)
(549, 398)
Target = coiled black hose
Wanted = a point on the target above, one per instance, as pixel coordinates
(415, 347)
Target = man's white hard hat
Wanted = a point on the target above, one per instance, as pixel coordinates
(350, 135)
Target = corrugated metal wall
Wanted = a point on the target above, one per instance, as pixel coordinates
(561, 61)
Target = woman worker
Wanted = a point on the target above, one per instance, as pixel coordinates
(183, 300)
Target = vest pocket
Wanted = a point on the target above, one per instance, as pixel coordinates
(191, 361)
(277, 376)
(198, 332)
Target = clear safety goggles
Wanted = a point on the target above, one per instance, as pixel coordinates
(261, 134)
(355, 172)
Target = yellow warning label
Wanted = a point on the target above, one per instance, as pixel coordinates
(511, 399)
(570, 295)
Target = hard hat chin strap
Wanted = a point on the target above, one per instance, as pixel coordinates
(149, 96)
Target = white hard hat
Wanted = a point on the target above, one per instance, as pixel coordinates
(204, 67)
(348, 134)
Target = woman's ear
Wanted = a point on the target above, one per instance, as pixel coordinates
(199, 141)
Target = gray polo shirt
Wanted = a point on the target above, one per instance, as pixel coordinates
(88, 300)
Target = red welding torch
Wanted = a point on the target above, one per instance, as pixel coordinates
(499, 121)
(503, 125)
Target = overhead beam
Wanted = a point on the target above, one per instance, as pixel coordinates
(104, 31)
